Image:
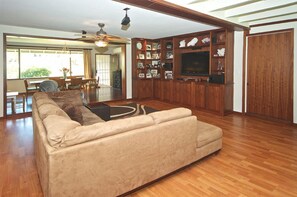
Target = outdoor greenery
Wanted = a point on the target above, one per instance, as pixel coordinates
(35, 72)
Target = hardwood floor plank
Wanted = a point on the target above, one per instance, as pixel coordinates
(258, 158)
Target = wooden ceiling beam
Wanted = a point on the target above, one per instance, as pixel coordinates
(182, 12)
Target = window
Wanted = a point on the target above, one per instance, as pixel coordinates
(12, 58)
(30, 63)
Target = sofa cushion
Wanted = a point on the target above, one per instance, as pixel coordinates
(207, 133)
(47, 100)
(56, 127)
(167, 115)
(51, 109)
(104, 129)
(89, 117)
(73, 112)
(40, 95)
(71, 97)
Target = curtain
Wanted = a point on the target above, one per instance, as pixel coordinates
(88, 63)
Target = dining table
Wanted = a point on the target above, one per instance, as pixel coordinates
(36, 83)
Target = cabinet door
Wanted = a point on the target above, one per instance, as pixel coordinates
(166, 90)
(200, 96)
(176, 92)
(157, 89)
(185, 93)
(214, 98)
(145, 88)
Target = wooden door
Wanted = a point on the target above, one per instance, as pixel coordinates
(270, 75)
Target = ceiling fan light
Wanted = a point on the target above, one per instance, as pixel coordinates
(101, 43)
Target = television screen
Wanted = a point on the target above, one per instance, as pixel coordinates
(195, 64)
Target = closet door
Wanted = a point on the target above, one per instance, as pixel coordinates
(270, 75)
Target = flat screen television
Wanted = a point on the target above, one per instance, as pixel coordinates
(195, 63)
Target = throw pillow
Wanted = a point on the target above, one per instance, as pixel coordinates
(74, 112)
(73, 97)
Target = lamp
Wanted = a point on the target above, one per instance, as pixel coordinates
(101, 43)
(126, 19)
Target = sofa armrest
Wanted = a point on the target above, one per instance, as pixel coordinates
(171, 114)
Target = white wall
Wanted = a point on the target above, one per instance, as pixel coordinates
(238, 55)
(238, 69)
(41, 32)
(129, 71)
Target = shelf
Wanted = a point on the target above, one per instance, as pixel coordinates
(218, 43)
(195, 47)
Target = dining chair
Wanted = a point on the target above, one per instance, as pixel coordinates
(76, 84)
(61, 82)
(29, 89)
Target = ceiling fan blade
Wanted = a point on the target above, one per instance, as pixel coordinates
(197, 1)
(119, 40)
(101, 35)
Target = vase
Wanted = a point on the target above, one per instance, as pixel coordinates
(64, 75)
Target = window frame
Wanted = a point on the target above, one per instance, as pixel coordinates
(19, 48)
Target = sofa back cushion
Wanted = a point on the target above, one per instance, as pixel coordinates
(171, 114)
(73, 97)
(74, 112)
(56, 128)
(80, 134)
(51, 109)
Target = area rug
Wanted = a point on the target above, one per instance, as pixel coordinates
(128, 110)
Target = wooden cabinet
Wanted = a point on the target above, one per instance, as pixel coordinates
(214, 98)
(199, 95)
(167, 55)
(167, 90)
(221, 49)
(142, 88)
(156, 69)
(181, 93)
(157, 89)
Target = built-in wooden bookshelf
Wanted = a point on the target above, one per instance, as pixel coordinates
(157, 64)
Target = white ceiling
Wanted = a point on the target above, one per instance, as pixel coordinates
(244, 12)
(74, 16)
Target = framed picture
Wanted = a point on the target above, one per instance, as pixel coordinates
(168, 75)
(148, 47)
(169, 45)
(141, 75)
(154, 72)
(148, 55)
(155, 62)
(148, 74)
(140, 65)
(155, 46)
(169, 55)
(155, 56)
(141, 56)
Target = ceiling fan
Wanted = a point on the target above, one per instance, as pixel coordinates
(101, 38)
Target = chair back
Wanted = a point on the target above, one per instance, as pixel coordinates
(49, 86)
(26, 83)
(76, 81)
(60, 81)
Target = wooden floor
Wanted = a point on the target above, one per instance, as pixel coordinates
(259, 158)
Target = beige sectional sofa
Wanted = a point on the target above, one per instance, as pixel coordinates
(98, 158)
